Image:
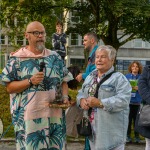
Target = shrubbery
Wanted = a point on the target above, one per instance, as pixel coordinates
(5, 111)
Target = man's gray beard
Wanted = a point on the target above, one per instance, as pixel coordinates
(40, 48)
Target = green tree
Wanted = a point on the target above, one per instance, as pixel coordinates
(45, 11)
(110, 17)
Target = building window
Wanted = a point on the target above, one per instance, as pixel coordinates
(147, 45)
(20, 40)
(138, 43)
(2, 40)
(74, 39)
(74, 17)
(10, 42)
(122, 65)
(128, 44)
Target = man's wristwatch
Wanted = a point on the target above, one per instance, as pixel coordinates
(29, 80)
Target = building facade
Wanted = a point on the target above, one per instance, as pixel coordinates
(133, 50)
(136, 49)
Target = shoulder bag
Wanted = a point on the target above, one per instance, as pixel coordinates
(144, 116)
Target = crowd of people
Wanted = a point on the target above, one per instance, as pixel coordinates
(36, 77)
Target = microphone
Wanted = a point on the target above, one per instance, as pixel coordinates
(42, 66)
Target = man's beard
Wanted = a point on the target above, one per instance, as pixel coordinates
(40, 47)
(88, 48)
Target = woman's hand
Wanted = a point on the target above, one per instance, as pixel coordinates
(93, 102)
(84, 104)
(135, 88)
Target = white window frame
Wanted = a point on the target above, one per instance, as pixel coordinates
(20, 40)
(79, 40)
(3, 39)
(74, 39)
(77, 18)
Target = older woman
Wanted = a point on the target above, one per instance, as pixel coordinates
(109, 117)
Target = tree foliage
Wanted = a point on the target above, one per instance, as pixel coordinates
(45, 11)
(110, 17)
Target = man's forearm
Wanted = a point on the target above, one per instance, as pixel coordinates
(17, 86)
(65, 91)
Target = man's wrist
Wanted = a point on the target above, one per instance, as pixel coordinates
(65, 97)
(30, 82)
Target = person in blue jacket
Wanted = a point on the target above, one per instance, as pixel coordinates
(90, 41)
(135, 69)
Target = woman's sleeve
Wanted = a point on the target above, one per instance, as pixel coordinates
(122, 94)
(81, 93)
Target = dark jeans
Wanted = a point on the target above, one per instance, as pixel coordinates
(132, 117)
(87, 144)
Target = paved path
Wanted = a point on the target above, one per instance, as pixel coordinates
(71, 146)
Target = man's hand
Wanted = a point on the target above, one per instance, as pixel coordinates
(37, 78)
(79, 77)
(59, 31)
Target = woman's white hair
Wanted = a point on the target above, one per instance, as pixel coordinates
(110, 50)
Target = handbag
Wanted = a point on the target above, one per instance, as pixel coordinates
(144, 116)
(84, 128)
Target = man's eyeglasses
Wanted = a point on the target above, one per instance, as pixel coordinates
(37, 33)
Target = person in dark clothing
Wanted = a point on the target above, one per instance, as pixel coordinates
(144, 90)
(59, 40)
(73, 84)
(135, 69)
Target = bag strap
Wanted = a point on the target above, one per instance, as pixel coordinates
(103, 80)
(96, 92)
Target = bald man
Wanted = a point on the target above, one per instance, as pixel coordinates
(35, 77)
(35, 34)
